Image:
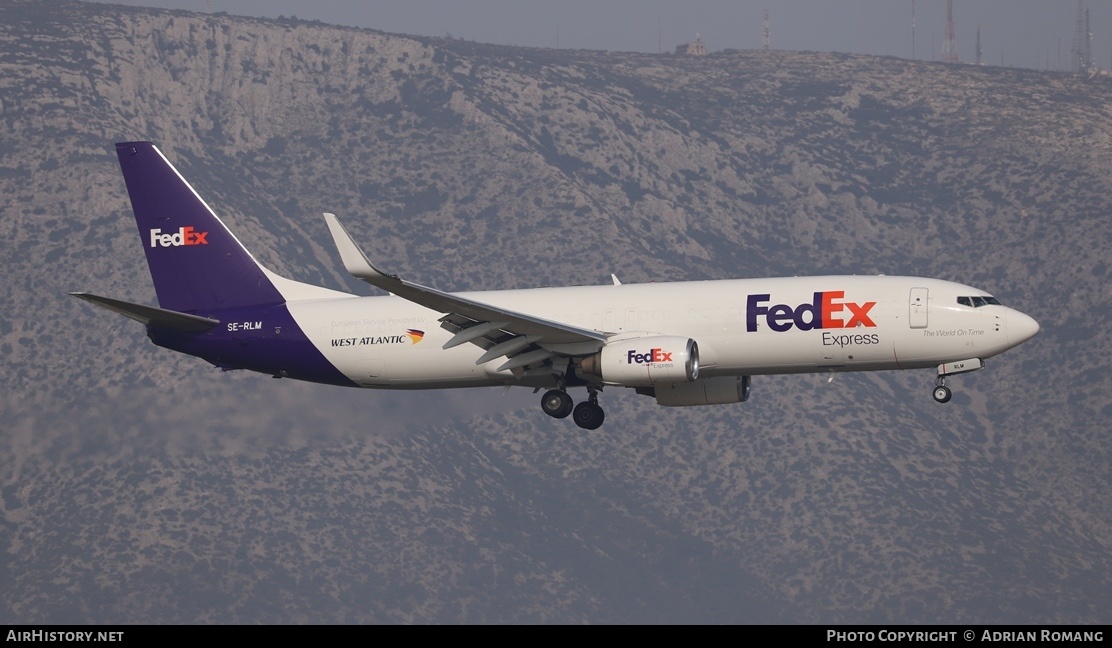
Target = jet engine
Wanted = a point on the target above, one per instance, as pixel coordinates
(645, 361)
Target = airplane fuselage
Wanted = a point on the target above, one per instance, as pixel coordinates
(742, 326)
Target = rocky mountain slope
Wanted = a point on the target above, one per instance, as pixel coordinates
(142, 486)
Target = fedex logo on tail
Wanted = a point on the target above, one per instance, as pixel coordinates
(653, 356)
(184, 236)
(826, 311)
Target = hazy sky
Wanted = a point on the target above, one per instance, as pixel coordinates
(1024, 33)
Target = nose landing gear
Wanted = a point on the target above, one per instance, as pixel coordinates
(942, 393)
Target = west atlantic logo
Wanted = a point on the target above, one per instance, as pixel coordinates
(413, 336)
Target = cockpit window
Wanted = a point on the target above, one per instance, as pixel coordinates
(976, 301)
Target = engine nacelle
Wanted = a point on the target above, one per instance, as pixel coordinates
(645, 362)
(709, 391)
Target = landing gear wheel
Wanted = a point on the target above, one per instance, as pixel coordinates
(588, 415)
(942, 394)
(556, 403)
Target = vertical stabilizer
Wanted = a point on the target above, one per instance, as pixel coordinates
(195, 261)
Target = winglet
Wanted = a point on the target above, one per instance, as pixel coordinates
(354, 260)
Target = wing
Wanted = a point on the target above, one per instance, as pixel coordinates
(525, 340)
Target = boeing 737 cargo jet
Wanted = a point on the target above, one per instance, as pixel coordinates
(690, 343)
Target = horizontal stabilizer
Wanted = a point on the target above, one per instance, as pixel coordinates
(159, 317)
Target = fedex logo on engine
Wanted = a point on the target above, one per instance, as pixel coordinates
(184, 236)
(653, 356)
(826, 311)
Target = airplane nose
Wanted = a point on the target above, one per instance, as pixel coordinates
(1021, 327)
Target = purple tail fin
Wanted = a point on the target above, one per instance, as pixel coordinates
(195, 261)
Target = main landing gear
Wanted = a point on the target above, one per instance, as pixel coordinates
(556, 403)
(587, 415)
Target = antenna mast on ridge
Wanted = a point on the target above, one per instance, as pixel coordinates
(978, 43)
(1082, 42)
(950, 43)
(767, 32)
(912, 30)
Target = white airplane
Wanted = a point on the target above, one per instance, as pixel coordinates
(685, 344)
